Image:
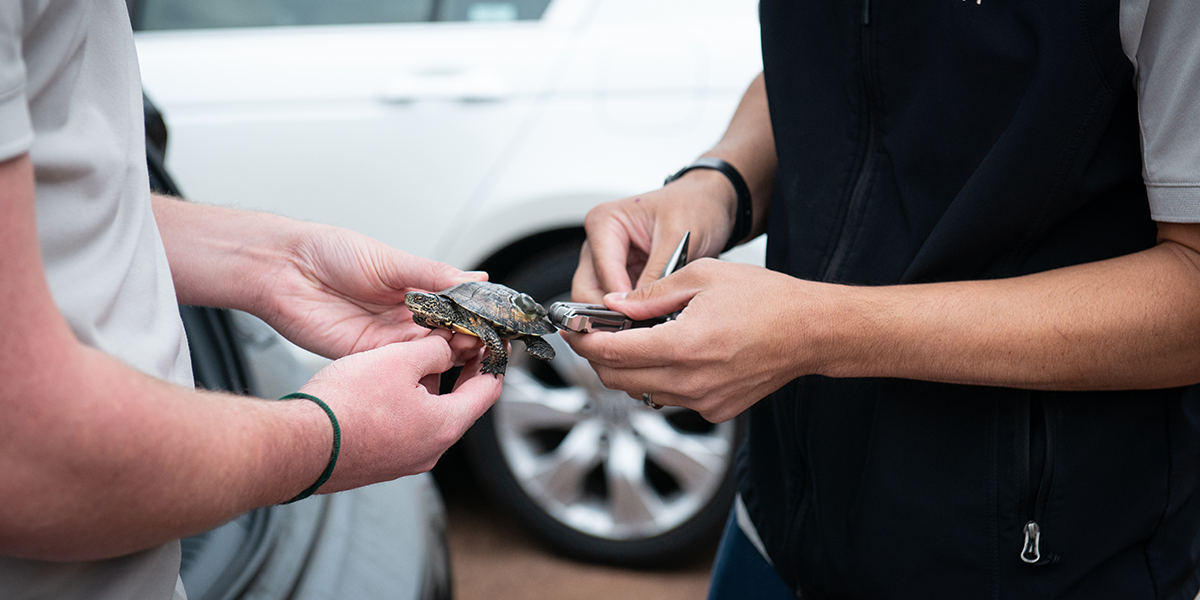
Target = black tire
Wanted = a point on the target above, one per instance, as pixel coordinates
(690, 483)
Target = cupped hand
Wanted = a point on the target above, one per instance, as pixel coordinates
(738, 338)
(342, 292)
(630, 240)
(393, 421)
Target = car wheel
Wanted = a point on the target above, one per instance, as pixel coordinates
(591, 471)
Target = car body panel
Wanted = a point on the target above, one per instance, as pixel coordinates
(366, 146)
(450, 140)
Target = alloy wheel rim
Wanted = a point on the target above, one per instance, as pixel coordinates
(599, 461)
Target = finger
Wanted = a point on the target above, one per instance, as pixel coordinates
(633, 348)
(436, 276)
(610, 252)
(470, 369)
(429, 355)
(432, 383)
(656, 298)
(467, 276)
(585, 284)
(474, 393)
(659, 384)
(660, 399)
(465, 347)
(655, 381)
(403, 271)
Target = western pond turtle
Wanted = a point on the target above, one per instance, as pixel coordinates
(489, 311)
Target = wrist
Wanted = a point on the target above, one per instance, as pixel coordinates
(874, 331)
(836, 333)
(269, 264)
(221, 256)
(337, 443)
(742, 218)
(260, 259)
(710, 201)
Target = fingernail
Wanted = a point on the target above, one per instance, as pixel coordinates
(475, 274)
(615, 296)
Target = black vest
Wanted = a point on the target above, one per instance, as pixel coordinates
(936, 140)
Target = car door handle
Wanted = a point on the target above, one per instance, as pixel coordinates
(452, 85)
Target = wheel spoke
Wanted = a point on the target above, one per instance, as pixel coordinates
(632, 500)
(573, 368)
(528, 405)
(559, 476)
(696, 461)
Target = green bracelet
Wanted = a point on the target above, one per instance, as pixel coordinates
(337, 445)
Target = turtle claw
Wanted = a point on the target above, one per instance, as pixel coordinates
(493, 366)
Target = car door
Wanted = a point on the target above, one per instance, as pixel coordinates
(387, 115)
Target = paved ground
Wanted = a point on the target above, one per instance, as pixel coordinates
(493, 559)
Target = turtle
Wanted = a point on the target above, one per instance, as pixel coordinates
(489, 311)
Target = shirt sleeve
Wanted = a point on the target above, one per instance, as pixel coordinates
(16, 130)
(1160, 37)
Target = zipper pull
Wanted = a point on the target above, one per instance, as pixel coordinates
(1032, 552)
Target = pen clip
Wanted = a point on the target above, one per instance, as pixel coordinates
(679, 257)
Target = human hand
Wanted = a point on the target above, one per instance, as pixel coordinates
(343, 292)
(736, 340)
(392, 419)
(630, 240)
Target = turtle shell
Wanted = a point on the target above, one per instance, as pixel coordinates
(501, 306)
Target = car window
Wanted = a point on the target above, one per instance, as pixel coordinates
(473, 10)
(151, 15)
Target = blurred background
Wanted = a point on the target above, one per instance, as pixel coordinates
(479, 134)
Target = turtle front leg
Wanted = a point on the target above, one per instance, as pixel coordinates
(496, 360)
(538, 347)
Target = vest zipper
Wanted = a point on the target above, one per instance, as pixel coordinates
(1037, 470)
(1031, 553)
(862, 182)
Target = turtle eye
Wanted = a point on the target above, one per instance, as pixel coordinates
(526, 304)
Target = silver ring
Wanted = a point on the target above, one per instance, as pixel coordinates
(648, 402)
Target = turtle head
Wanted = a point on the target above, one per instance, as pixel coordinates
(429, 310)
(528, 306)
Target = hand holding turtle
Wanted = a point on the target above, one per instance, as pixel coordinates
(344, 293)
(393, 421)
(741, 335)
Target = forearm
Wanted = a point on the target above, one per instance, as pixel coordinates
(749, 145)
(224, 257)
(100, 460)
(1125, 323)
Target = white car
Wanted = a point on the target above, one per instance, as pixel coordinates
(479, 134)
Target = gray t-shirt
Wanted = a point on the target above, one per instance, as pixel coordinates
(1162, 39)
(70, 96)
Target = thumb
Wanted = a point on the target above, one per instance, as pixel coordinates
(467, 276)
(428, 355)
(657, 298)
(443, 276)
(474, 393)
(401, 270)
